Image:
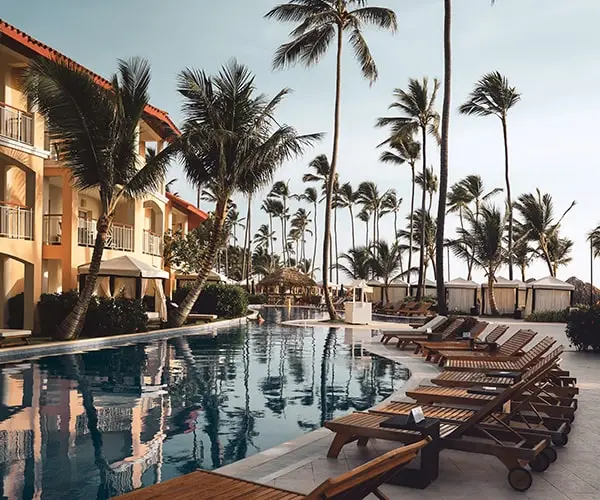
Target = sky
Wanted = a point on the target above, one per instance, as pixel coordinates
(549, 53)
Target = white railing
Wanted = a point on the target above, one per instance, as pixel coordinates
(16, 221)
(120, 236)
(52, 229)
(16, 124)
(152, 243)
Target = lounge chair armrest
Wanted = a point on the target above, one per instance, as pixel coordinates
(506, 374)
(486, 390)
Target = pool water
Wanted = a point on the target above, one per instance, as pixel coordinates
(101, 423)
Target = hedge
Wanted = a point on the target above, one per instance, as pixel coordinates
(226, 301)
(583, 328)
(105, 316)
(548, 316)
(15, 306)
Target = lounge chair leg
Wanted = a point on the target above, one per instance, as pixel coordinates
(379, 494)
(363, 441)
(339, 441)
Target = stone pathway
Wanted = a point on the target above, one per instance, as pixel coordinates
(302, 464)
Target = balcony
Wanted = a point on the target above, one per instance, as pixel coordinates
(120, 236)
(52, 229)
(16, 221)
(16, 124)
(152, 243)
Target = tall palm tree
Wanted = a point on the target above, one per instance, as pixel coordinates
(428, 181)
(482, 242)
(391, 204)
(263, 237)
(458, 202)
(594, 238)
(234, 220)
(365, 216)
(335, 205)
(538, 222)
(310, 196)
(369, 197)
(301, 221)
(404, 149)
(231, 141)
(493, 95)
(97, 129)
(320, 23)
(386, 263)
(358, 263)
(475, 191)
(347, 198)
(428, 244)
(269, 206)
(279, 213)
(418, 106)
(559, 250)
(281, 191)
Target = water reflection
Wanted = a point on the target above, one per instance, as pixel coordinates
(117, 419)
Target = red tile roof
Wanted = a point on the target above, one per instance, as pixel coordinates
(41, 49)
(195, 215)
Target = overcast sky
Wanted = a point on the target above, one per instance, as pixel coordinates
(548, 50)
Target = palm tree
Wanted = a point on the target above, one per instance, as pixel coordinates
(169, 186)
(270, 207)
(418, 106)
(234, 221)
(475, 191)
(335, 204)
(97, 129)
(391, 204)
(279, 213)
(281, 191)
(428, 244)
(404, 149)
(358, 263)
(347, 198)
(458, 202)
(538, 222)
(301, 221)
(365, 216)
(320, 23)
(429, 183)
(232, 142)
(263, 237)
(310, 196)
(493, 95)
(559, 250)
(594, 238)
(371, 200)
(482, 242)
(386, 263)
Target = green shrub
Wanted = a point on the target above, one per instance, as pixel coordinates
(257, 298)
(105, 316)
(548, 316)
(583, 328)
(15, 305)
(226, 301)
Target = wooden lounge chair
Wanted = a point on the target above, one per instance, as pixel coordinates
(474, 434)
(357, 484)
(433, 324)
(505, 351)
(460, 343)
(421, 310)
(489, 364)
(447, 333)
(207, 318)
(14, 336)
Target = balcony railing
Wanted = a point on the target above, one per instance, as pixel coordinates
(120, 236)
(16, 124)
(16, 221)
(52, 229)
(152, 243)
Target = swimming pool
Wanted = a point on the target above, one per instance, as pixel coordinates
(101, 423)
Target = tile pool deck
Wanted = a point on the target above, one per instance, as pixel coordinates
(301, 464)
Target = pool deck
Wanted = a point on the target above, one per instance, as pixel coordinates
(301, 464)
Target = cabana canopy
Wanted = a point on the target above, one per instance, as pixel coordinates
(126, 266)
(428, 283)
(461, 283)
(289, 277)
(502, 282)
(551, 283)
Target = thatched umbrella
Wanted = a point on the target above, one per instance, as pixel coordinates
(287, 277)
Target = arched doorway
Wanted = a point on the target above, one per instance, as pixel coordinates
(17, 292)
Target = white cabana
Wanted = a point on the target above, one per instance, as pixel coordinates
(461, 294)
(549, 294)
(508, 294)
(430, 288)
(377, 294)
(130, 278)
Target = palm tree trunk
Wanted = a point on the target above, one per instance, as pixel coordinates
(469, 260)
(271, 233)
(396, 226)
(523, 273)
(443, 188)
(283, 242)
(335, 233)
(72, 325)
(332, 176)
(508, 200)
(492, 294)
(246, 243)
(178, 316)
(366, 233)
(352, 222)
(421, 282)
(412, 214)
(315, 242)
(249, 244)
